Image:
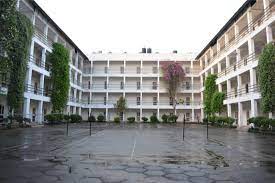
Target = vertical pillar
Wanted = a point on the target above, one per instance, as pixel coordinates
(212, 70)
(43, 59)
(219, 67)
(41, 83)
(228, 83)
(239, 81)
(236, 30)
(220, 87)
(39, 114)
(158, 85)
(141, 94)
(193, 115)
(254, 108)
(227, 61)
(76, 60)
(29, 76)
(253, 79)
(240, 114)
(229, 110)
(27, 102)
(17, 5)
(251, 46)
(269, 36)
(249, 19)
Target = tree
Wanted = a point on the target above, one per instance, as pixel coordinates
(266, 73)
(120, 105)
(173, 74)
(217, 102)
(60, 79)
(210, 89)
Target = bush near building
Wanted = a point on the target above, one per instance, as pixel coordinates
(54, 118)
(173, 118)
(261, 123)
(154, 119)
(131, 119)
(75, 118)
(144, 119)
(164, 118)
(117, 119)
(100, 118)
(91, 119)
(220, 121)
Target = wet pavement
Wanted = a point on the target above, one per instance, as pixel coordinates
(135, 153)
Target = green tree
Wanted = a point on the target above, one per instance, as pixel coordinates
(210, 89)
(60, 79)
(18, 53)
(120, 105)
(266, 73)
(217, 102)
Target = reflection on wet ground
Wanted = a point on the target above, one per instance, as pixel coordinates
(135, 153)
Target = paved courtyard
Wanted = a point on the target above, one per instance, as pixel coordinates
(135, 153)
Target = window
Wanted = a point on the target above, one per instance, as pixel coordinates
(187, 70)
(105, 101)
(154, 85)
(155, 100)
(138, 100)
(187, 100)
(155, 70)
(35, 88)
(170, 101)
(121, 85)
(138, 116)
(138, 70)
(89, 85)
(138, 85)
(246, 88)
(187, 85)
(105, 85)
(121, 70)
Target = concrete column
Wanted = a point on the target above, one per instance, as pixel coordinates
(219, 67)
(251, 46)
(56, 38)
(27, 102)
(80, 96)
(76, 60)
(90, 111)
(239, 81)
(253, 79)
(236, 30)
(206, 61)
(254, 108)
(41, 83)
(40, 112)
(226, 39)
(75, 91)
(29, 76)
(227, 61)
(266, 3)
(158, 83)
(32, 49)
(228, 82)
(212, 70)
(220, 87)
(249, 19)
(75, 77)
(34, 17)
(269, 36)
(74, 109)
(43, 57)
(193, 115)
(240, 114)
(229, 110)
(124, 78)
(46, 28)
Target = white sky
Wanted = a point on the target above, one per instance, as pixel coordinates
(129, 25)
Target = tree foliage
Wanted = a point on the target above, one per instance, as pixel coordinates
(266, 73)
(18, 54)
(217, 102)
(120, 105)
(173, 74)
(210, 89)
(59, 59)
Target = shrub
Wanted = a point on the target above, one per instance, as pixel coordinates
(230, 121)
(265, 123)
(51, 118)
(117, 119)
(164, 118)
(144, 119)
(154, 119)
(100, 118)
(257, 121)
(173, 118)
(75, 118)
(91, 119)
(67, 118)
(131, 119)
(272, 123)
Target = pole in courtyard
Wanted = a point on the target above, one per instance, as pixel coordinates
(183, 129)
(90, 128)
(207, 127)
(67, 127)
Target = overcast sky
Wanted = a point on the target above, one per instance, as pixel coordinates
(129, 25)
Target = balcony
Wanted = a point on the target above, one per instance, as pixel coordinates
(243, 62)
(256, 22)
(37, 90)
(39, 63)
(243, 91)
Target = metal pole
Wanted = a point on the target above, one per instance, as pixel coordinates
(90, 128)
(183, 129)
(67, 128)
(207, 127)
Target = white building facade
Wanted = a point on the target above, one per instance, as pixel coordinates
(98, 82)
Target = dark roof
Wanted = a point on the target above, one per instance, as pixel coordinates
(37, 7)
(231, 21)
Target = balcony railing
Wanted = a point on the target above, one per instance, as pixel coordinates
(243, 62)
(256, 22)
(39, 63)
(37, 90)
(243, 91)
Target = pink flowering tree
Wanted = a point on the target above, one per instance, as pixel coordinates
(173, 74)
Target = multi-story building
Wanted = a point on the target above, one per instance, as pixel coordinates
(37, 84)
(96, 84)
(233, 55)
(138, 78)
